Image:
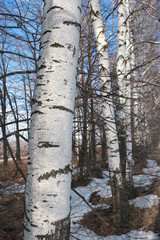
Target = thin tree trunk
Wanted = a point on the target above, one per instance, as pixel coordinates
(18, 148)
(3, 107)
(121, 76)
(83, 158)
(93, 139)
(120, 211)
(26, 105)
(83, 151)
(47, 199)
(104, 145)
(5, 154)
(129, 157)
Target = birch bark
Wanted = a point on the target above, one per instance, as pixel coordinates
(124, 84)
(47, 198)
(119, 210)
(105, 81)
(136, 88)
(129, 158)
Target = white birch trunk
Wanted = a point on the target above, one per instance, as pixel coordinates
(47, 197)
(124, 83)
(136, 88)
(121, 57)
(121, 82)
(129, 158)
(105, 81)
(119, 196)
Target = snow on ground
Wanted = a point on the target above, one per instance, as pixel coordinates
(85, 234)
(143, 180)
(79, 207)
(7, 187)
(151, 172)
(152, 169)
(147, 201)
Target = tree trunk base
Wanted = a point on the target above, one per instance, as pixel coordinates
(120, 203)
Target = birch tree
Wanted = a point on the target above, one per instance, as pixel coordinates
(119, 203)
(124, 85)
(3, 109)
(121, 70)
(47, 198)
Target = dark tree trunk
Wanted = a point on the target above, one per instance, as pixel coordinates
(93, 140)
(104, 145)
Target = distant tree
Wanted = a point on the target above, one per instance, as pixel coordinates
(3, 99)
(120, 211)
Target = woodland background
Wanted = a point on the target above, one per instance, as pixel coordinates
(20, 29)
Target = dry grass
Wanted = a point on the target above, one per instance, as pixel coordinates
(12, 213)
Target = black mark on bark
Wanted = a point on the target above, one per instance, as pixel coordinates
(42, 67)
(74, 51)
(49, 71)
(40, 47)
(34, 101)
(61, 231)
(77, 25)
(46, 42)
(40, 77)
(53, 173)
(71, 48)
(61, 108)
(27, 229)
(55, 28)
(52, 195)
(96, 14)
(47, 145)
(56, 45)
(54, 7)
(56, 61)
(47, 31)
(33, 225)
(37, 112)
(40, 84)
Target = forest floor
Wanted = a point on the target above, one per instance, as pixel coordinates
(91, 210)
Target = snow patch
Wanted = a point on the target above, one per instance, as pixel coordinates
(143, 180)
(147, 201)
(79, 207)
(152, 168)
(86, 234)
(7, 187)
